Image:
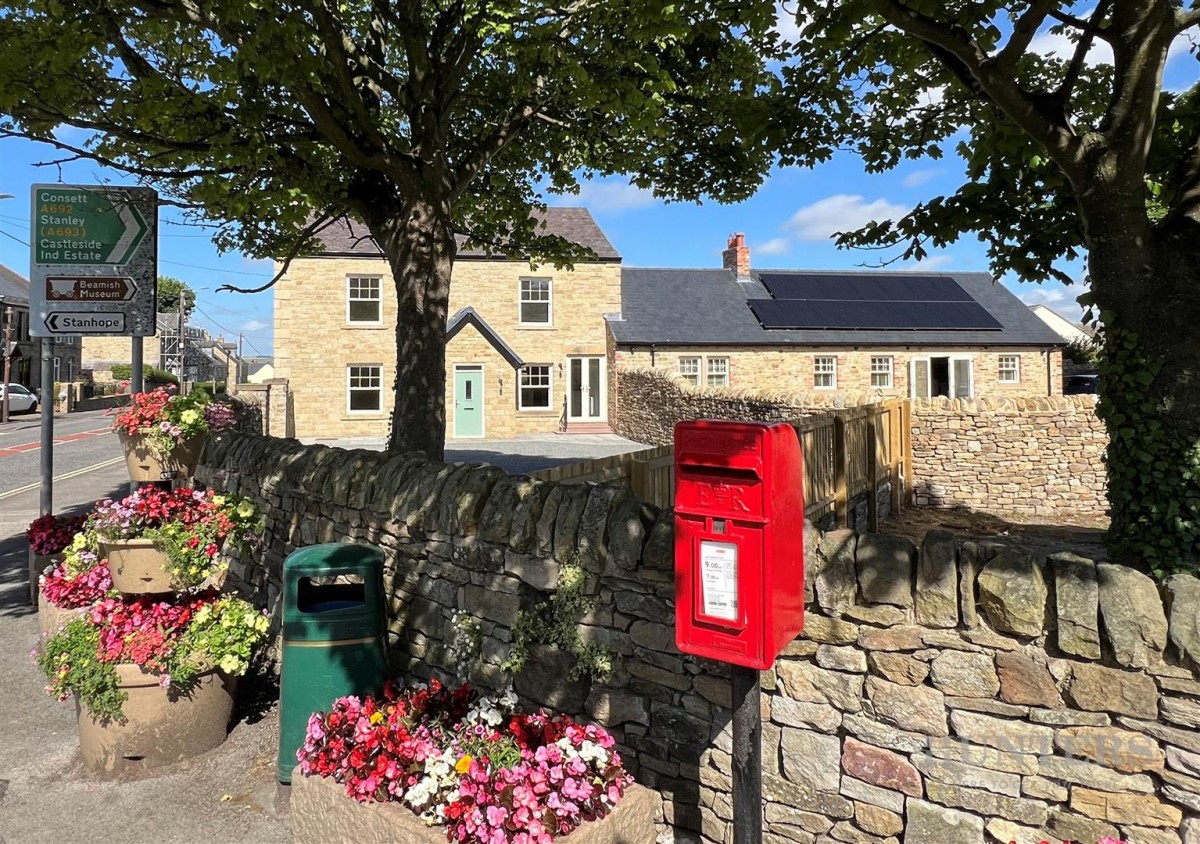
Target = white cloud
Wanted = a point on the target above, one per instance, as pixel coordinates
(838, 213)
(609, 195)
(785, 23)
(1060, 46)
(254, 325)
(775, 246)
(1059, 298)
(929, 263)
(918, 177)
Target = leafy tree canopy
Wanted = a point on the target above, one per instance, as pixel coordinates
(172, 292)
(271, 118)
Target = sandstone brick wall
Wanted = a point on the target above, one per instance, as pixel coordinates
(100, 354)
(1027, 457)
(314, 343)
(783, 369)
(961, 692)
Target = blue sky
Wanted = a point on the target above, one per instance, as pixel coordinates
(788, 223)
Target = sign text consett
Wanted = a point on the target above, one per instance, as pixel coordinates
(94, 252)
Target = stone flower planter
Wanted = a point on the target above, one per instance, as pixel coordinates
(321, 812)
(52, 618)
(162, 725)
(146, 464)
(138, 566)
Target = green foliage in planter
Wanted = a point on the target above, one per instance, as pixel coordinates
(556, 622)
(69, 661)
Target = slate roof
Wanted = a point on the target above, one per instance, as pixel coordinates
(708, 307)
(347, 238)
(14, 287)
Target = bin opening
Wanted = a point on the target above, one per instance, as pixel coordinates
(326, 597)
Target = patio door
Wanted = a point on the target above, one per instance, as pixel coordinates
(585, 389)
(941, 375)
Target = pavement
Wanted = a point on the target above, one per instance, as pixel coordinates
(226, 795)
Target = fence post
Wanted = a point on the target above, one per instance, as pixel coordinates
(895, 449)
(910, 485)
(873, 471)
(840, 472)
(638, 476)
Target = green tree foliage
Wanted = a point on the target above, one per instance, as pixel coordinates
(1069, 154)
(430, 122)
(172, 292)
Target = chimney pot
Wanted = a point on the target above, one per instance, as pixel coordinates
(736, 257)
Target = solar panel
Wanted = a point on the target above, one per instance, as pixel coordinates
(848, 288)
(872, 315)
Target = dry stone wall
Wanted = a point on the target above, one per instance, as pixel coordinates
(1025, 457)
(1028, 457)
(958, 692)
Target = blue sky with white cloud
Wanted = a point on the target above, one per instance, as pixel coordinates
(789, 223)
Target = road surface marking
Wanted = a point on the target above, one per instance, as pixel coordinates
(63, 477)
(66, 438)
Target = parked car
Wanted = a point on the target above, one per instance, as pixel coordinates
(1080, 384)
(20, 399)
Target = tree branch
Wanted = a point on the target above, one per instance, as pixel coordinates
(1067, 87)
(491, 146)
(1184, 20)
(322, 222)
(1024, 30)
(1080, 24)
(1039, 122)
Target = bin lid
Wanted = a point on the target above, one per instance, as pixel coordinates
(334, 558)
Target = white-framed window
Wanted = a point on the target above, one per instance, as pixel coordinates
(535, 302)
(825, 372)
(716, 372)
(533, 392)
(364, 388)
(57, 366)
(689, 370)
(364, 300)
(881, 371)
(1010, 369)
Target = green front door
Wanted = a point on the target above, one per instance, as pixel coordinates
(468, 401)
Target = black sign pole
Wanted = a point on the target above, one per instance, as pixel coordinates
(747, 756)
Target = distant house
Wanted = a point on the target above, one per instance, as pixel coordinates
(257, 370)
(25, 352)
(1070, 332)
(204, 357)
(834, 334)
(525, 347)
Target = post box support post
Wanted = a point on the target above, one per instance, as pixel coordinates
(747, 756)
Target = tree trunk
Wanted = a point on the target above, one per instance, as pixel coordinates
(1149, 294)
(420, 248)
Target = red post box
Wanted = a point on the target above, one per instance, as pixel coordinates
(739, 540)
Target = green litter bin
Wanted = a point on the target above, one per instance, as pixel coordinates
(333, 629)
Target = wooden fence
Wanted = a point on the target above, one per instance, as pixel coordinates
(848, 454)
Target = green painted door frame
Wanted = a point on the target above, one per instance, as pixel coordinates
(468, 401)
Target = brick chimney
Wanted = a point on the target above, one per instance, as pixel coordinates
(736, 256)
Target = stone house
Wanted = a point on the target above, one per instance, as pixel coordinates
(526, 346)
(25, 352)
(205, 358)
(835, 336)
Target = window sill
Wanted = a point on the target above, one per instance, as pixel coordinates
(369, 326)
(535, 326)
(538, 412)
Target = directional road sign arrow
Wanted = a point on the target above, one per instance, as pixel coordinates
(70, 322)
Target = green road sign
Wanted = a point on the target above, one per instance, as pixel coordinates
(74, 225)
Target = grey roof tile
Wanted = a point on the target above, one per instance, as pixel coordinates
(707, 307)
(574, 224)
(469, 316)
